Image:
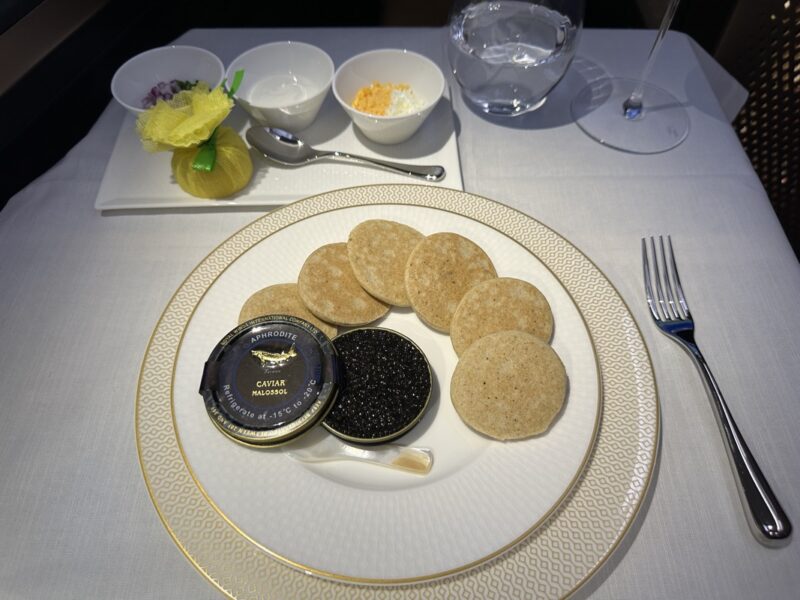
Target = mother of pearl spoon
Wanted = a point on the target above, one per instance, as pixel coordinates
(330, 448)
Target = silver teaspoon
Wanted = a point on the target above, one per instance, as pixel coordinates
(287, 149)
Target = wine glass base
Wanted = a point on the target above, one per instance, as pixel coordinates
(662, 124)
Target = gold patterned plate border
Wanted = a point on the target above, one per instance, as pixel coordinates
(556, 558)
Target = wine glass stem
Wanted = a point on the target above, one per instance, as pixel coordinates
(632, 107)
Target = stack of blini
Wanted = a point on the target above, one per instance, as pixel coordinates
(508, 384)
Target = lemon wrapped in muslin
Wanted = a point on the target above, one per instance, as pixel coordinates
(208, 160)
(232, 170)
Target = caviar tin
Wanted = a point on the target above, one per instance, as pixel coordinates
(270, 380)
(386, 386)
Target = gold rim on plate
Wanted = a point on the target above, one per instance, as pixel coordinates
(580, 534)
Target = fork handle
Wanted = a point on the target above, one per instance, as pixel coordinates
(767, 521)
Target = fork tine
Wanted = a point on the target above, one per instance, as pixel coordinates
(678, 287)
(657, 276)
(648, 288)
(674, 313)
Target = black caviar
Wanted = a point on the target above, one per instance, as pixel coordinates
(386, 386)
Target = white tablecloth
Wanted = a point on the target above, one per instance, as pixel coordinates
(81, 293)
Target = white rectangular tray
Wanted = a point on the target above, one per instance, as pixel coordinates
(136, 179)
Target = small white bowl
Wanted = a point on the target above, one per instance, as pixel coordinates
(284, 83)
(389, 66)
(134, 79)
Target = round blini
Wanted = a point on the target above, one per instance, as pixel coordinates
(281, 299)
(378, 252)
(329, 289)
(509, 385)
(500, 305)
(440, 270)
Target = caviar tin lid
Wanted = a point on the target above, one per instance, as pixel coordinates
(270, 380)
(386, 386)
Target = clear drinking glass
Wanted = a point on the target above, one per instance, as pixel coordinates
(507, 55)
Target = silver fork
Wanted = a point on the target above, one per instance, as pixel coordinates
(671, 313)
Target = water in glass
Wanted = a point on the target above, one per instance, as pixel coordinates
(509, 54)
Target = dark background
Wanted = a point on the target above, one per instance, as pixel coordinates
(70, 85)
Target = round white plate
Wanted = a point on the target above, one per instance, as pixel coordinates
(248, 517)
(376, 523)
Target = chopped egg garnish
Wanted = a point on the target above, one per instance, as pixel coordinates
(387, 99)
